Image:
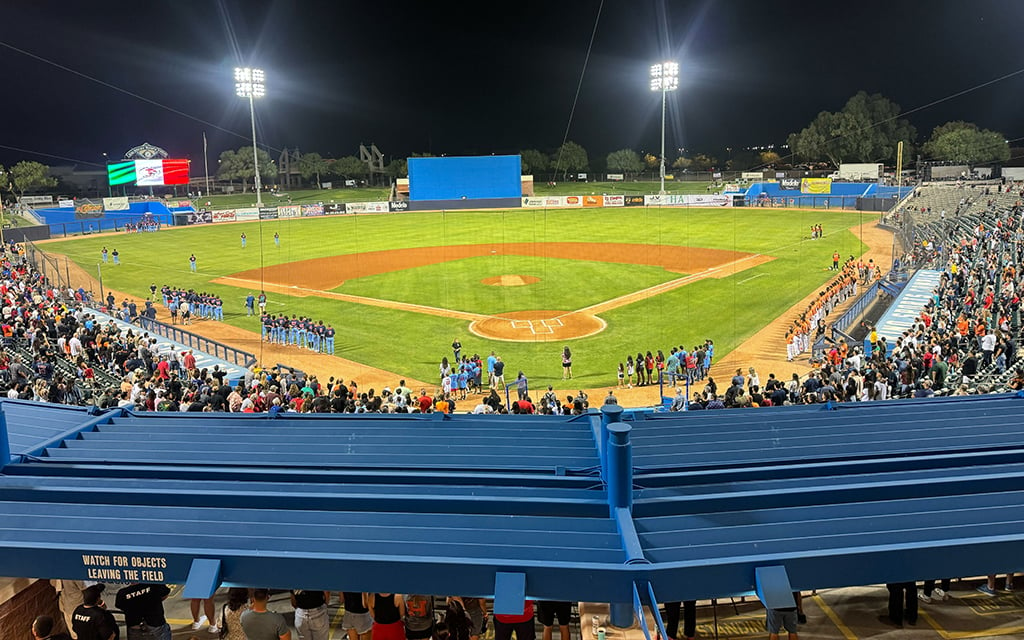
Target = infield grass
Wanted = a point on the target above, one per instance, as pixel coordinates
(727, 310)
(457, 284)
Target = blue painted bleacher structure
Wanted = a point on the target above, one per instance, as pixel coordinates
(834, 495)
(235, 372)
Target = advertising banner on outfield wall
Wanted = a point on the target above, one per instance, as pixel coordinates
(532, 202)
(89, 210)
(311, 210)
(367, 207)
(224, 216)
(180, 204)
(66, 204)
(816, 185)
(614, 201)
(791, 184)
(680, 200)
(289, 211)
(119, 203)
(616, 177)
(573, 201)
(200, 217)
(554, 201)
(334, 208)
(634, 201)
(266, 213)
(593, 201)
(250, 213)
(401, 205)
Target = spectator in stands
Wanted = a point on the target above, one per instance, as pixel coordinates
(258, 623)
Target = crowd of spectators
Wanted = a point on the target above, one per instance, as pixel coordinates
(964, 341)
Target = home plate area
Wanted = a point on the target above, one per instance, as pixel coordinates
(537, 326)
(545, 326)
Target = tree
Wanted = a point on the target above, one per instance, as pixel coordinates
(867, 129)
(237, 165)
(312, 164)
(682, 163)
(397, 168)
(533, 161)
(652, 161)
(30, 176)
(703, 162)
(769, 159)
(570, 157)
(625, 161)
(349, 167)
(963, 142)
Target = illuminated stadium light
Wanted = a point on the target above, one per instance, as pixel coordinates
(664, 78)
(252, 83)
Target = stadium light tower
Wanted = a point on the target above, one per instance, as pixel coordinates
(664, 78)
(251, 84)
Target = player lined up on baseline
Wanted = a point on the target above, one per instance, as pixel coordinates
(190, 303)
(811, 321)
(680, 364)
(298, 331)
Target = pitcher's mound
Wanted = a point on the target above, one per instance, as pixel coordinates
(510, 281)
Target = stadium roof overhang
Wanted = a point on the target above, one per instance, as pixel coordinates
(851, 494)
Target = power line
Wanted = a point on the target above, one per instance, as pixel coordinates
(579, 85)
(122, 90)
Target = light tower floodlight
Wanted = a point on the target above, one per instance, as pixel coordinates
(251, 83)
(664, 78)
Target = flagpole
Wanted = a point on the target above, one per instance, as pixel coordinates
(206, 165)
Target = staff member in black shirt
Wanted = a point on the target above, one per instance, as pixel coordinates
(42, 629)
(143, 607)
(91, 620)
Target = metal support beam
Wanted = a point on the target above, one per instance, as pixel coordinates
(203, 579)
(773, 588)
(5, 442)
(509, 593)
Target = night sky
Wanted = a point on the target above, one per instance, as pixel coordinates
(479, 78)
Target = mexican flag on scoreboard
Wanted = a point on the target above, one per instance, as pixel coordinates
(148, 173)
(160, 172)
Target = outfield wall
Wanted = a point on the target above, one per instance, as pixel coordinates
(527, 202)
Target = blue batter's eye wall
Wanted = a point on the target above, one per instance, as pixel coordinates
(465, 178)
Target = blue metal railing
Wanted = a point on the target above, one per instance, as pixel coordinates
(198, 342)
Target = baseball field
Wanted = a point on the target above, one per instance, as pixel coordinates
(398, 288)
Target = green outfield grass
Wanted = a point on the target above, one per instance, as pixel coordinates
(727, 310)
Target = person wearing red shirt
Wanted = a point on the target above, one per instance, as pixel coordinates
(425, 402)
(163, 369)
(521, 624)
(189, 361)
